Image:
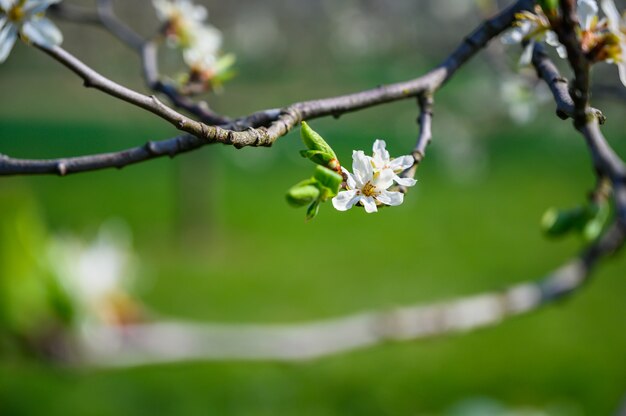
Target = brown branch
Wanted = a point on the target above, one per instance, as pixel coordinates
(559, 86)
(567, 30)
(114, 25)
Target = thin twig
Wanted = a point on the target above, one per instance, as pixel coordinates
(122, 31)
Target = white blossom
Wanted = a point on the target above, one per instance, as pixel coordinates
(535, 27)
(96, 275)
(24, 18)
(381, 160)
(202, 53)
(182, 18)
(373, 176)
(617, 26)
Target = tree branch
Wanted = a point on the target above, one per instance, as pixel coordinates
(289, 117)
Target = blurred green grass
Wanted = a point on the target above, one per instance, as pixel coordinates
(244, 263)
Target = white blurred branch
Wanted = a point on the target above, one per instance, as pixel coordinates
(168, 342)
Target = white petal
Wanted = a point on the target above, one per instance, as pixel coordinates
(8, 36)
(404, 181)
(3, 20)
(33, 7)
(391, 198)
(552, 39)
(200, 13)
(362, 168)
(6, 4)
(162, 8)
(517, 33)
(380, 155)
(621, 66)
(345, 200)
(587, 12)
(527, 55)
(42, 32)
(369, 203)
(612, 14)
(562, 51)
(350, 181)
(512, 36)
(383, 179)
(401, 163)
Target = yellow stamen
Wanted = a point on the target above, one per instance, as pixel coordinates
(369, 189)
(16, 13)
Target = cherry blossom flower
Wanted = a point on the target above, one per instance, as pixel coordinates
(373, 176)
(24, 19)
(381, 160)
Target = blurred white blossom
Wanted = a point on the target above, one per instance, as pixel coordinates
(98, 275)
(201, 43)
(25, 19)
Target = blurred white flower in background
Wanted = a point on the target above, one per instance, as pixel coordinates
(98, 276)
(182, 19)
(25, 19)
(185, 27)
(522, 98)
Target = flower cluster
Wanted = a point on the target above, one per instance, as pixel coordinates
(185, 28)
(24, 19)
(372, 178)
(602, 40)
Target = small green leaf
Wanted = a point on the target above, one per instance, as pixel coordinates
(594, 227)
(303, 193)
(319, 157)
(313, 210)
(328, 179)
(314, 141)
(560, 222)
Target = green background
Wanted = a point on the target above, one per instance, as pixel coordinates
(217, 242)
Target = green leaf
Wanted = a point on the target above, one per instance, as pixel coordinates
(328, 179)
(318, 156)
(303, 193)
(313, 210)
(314, 141)
(594, 227)
(556, 222)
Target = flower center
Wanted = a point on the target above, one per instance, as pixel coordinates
(16, 13)
(369, 190)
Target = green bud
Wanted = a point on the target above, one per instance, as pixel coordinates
(319, 157)
(328, 179)
(599, 216)
(556, 222)
(314, 141)
(303, 193)
(313, 210)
